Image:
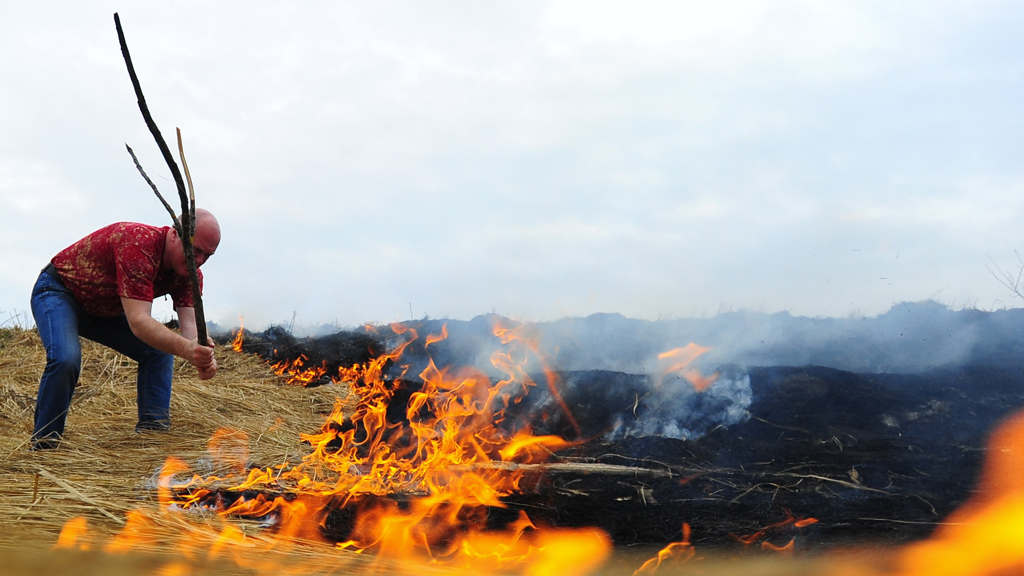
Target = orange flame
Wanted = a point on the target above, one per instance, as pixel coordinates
(296, 372)
(985, 536)
(72, 534)
(782, 525)
(450, 448)
(138, 531)
(432, 338)
(236, 344)
(675, 553)
(784, 549)
(680, 360)
(172, 466)
(520, 338)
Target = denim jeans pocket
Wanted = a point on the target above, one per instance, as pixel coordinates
(47, 283)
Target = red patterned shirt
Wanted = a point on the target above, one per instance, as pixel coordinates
(122, 259)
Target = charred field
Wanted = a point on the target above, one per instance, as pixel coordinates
(874, 456)
(828, 436)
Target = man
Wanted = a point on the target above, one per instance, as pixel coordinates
(102, 288)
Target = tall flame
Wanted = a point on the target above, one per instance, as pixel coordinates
(446, 451)
(236, 344)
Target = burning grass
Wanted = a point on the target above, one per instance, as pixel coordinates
(108, 491)
(100, 493)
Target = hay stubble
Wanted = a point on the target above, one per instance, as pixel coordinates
(103, 468)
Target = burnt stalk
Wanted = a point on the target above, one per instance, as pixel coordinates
(186, 225)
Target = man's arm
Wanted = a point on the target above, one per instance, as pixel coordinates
(187, 322)
(152, 332)
(187, 325)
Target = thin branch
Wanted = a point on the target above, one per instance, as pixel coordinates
(1007, 279)
(843, 483)
(155, 190)
(190, 256)
(188, 177)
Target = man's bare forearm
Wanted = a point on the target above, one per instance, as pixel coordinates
(152, 332)
(187, 323)
(161, 337)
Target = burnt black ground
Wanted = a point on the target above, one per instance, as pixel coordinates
(873, 455)
(342, 349)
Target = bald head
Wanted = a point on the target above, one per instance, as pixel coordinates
(206, 239)
(207, 226)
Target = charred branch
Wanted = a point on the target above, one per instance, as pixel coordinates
(156, 191)
(185, 225)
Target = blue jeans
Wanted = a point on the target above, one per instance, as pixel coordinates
(60, 321)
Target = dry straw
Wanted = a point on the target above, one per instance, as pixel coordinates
(103, 469)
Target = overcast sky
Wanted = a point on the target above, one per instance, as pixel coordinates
(373, 160)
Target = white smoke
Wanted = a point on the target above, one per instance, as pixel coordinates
(673, 407)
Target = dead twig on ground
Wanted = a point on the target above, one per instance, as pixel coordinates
(78, 494)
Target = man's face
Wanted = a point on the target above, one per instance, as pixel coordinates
(204, 245)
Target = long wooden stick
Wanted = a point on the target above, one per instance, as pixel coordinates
(571, 468)
(190, 255)
(186, 224)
